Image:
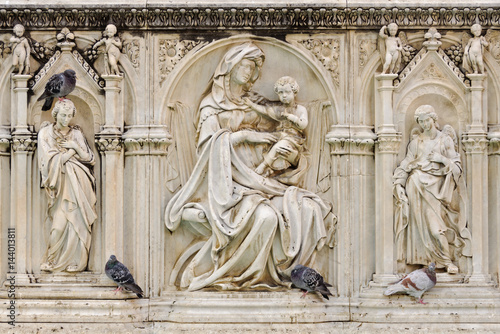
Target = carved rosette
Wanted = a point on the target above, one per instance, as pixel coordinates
(171, 51)
(109, 144)
(24, 143)
(327, 51)
(388, 143)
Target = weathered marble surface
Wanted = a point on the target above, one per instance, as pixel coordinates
(141, 123)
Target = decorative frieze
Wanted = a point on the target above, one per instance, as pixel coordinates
(254, 17)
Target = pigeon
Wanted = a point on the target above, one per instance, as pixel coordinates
(308, 279)
(120, 274)
(415, 283)
(59, 85)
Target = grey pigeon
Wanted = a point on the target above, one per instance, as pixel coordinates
(120, 274)
(59, 85)
(308, 279)
(415, 283)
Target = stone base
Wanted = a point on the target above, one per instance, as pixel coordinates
(320, 328)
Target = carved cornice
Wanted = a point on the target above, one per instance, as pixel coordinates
(210, 17)
(24, 143)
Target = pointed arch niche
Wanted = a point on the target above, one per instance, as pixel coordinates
(460, 101)
(177, 104)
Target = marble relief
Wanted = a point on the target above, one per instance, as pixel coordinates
(213, 164)
(256, 227)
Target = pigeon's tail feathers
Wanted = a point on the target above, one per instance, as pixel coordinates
(392, 289)
(328, 284)
(324, 291)
(134, 288)
(48, 104)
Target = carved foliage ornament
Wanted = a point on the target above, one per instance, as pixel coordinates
(256, 18)
(171, 52)
(327, 51)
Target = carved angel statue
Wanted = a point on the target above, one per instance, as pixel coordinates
(395, 51)
(430, 193)
(65, 162)
(474, 48)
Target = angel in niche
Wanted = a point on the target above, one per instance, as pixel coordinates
(429, 187)
(394, 50)
(474, 50)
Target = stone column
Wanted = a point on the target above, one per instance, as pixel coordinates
(5, 170)
(386, 150)
(145, 148)
(352, 150)
(109, 142)
(476, 145)
(494, 198)
(23, 145)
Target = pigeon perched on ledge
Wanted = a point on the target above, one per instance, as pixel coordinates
(415, 283)
(308, 279)
(59, 85)
(120, 274)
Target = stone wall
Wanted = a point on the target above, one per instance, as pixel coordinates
(143, 102)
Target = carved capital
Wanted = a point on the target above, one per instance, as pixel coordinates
(145, 140)
(494, 148)
(388, 143)
(109, 143)
(353, 140)
(475, 143)
(24, 143)
(4, 146)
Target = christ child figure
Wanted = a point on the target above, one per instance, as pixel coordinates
(292, 118)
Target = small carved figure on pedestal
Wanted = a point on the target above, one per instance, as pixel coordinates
(21, 50)
(430, 197)
(65, 161)
(390, 48)
(113, 46)
(474, 50)
(292, 118)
